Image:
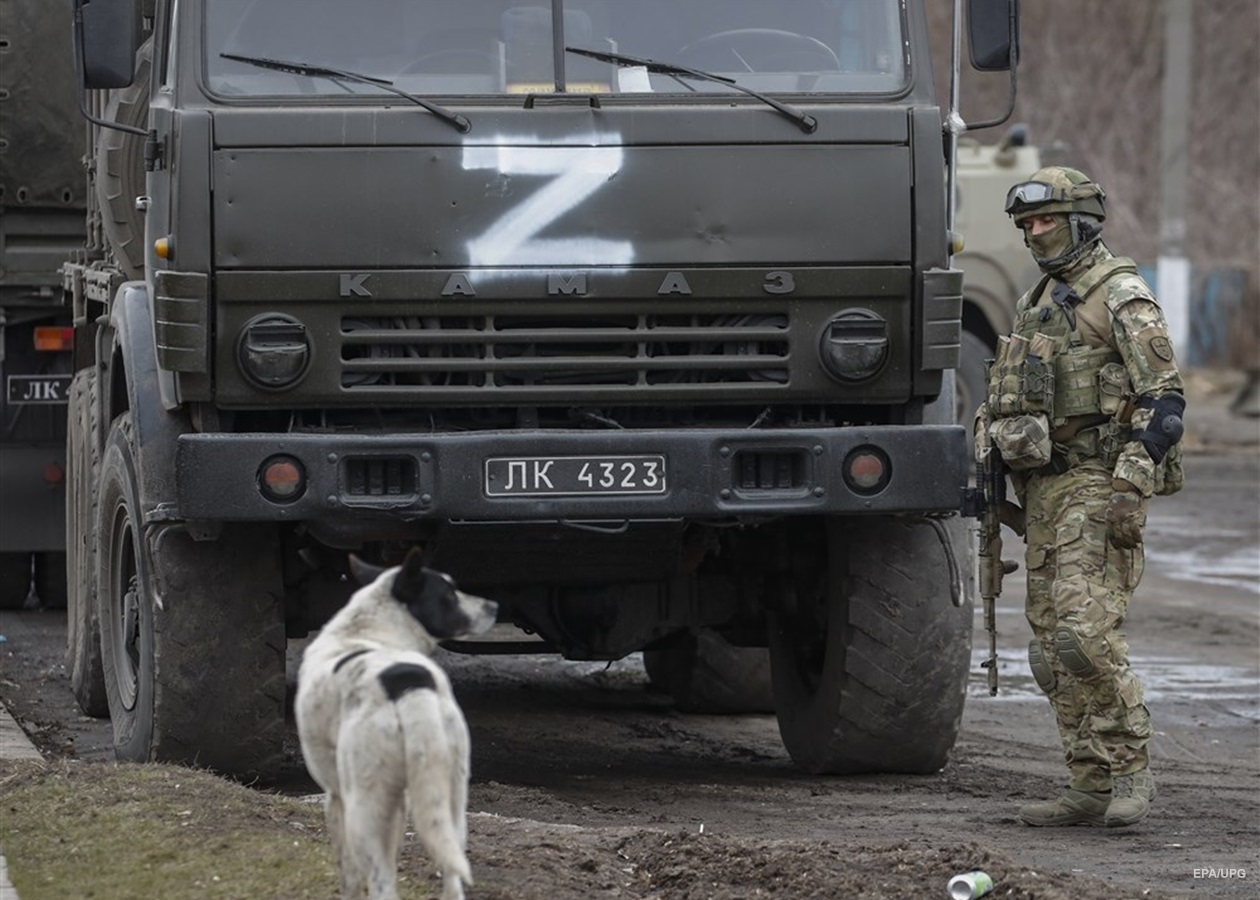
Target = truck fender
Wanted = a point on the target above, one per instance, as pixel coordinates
(135, 383)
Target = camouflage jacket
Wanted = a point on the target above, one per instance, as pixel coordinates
(1128, 321)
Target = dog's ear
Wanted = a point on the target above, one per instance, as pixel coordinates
(409, 582)
(363, 572)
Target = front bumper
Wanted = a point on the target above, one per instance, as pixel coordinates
(442, 476)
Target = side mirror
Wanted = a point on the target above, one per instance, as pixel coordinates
(106, 36)
(993, 34)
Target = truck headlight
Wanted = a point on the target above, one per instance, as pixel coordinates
(273, 351)
(854, 345)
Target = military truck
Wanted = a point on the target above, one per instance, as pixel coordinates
(638, 317)
(996, 265)
(41, 224)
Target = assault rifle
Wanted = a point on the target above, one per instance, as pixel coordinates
(987, 502)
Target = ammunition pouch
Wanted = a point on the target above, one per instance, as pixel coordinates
(1086, 381)
(1113, 388)
(1101, 442)
(1023, 441)
(1026, 387)
(1076, 382)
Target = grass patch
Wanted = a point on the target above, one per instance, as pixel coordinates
(116, 832)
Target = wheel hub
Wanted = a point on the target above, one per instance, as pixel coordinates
(126, 603)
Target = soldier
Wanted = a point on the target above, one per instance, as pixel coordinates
(1084, 404)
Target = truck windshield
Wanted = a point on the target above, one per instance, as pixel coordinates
(488, 47)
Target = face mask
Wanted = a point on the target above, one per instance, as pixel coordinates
(1049, 246)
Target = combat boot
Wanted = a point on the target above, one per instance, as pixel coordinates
(1131, 797)
(1073, 808)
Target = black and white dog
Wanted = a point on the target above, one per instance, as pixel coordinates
(381, 731)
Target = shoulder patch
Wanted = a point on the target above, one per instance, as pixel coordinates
(400, 678)
(1161, 347)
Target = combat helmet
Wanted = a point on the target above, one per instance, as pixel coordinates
(1059, 191)
(1056, 189)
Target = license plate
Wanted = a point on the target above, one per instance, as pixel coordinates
(38, 388)
(570, 476)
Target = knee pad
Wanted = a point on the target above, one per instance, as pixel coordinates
(1072, 653)
(1042, 673)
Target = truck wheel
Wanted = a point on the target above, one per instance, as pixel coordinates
(705, 673)
(870, 656)
(971, 386)
(83, 627)
(192, 633)
(15, 579)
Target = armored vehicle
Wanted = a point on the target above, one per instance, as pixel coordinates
(638, 317)
(996, 265)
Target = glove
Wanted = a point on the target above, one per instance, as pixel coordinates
(1126, 517)
(1013, 517)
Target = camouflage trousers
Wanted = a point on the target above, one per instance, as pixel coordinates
(1079, 587)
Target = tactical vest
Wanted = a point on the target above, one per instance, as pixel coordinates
(1047, 367)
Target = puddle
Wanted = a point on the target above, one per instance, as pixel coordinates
(1183, 549)
(1238, 568)
(1234, 690)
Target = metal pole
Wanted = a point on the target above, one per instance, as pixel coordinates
(557, 42)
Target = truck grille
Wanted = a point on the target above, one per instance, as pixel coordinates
(500, 353)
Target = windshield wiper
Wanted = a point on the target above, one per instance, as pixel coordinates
(461, 123)
(806, 122)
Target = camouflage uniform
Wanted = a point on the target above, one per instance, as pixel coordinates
(1061, 410)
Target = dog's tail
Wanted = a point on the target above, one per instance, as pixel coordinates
(437, 784)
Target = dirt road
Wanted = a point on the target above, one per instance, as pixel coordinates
(586, 783)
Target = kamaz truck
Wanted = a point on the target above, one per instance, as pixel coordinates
(638, 316)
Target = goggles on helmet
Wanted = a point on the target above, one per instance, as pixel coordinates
(1035, 193)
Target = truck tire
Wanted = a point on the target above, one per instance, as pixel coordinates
(120, 168)
(705, 673)
(869, 653)
(83, 627)
(192, 632)
(971, 386)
